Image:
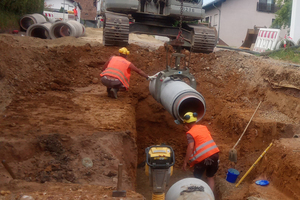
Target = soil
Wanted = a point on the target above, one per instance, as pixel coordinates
(63, 137)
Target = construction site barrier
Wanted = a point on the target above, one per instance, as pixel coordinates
(39, 30)
(178, 98)
(266, 39)
(68, 28)
(28, 20)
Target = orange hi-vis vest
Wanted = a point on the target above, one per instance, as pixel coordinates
(118, 67)
(204, 144)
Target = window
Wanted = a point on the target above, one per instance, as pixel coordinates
(266, 6)
(207, 19)
(216, 19)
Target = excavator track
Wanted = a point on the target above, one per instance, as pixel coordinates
(116, 29)
(204, 39)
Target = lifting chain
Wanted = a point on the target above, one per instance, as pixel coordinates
(180, 36)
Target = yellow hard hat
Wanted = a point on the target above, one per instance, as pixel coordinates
(190, 117)
(124, 51)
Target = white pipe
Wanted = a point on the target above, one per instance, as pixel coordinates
(39, 30)
(178, 98)
(68, 28)
(28, 20)
(176, 191)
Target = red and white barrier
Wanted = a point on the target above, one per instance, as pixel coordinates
(267, 39)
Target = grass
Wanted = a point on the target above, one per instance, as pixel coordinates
(9, 21)
(289, 54)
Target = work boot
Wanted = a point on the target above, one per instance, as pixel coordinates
(113, 93)
(108, 92)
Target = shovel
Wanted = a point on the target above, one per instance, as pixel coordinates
(233, 152)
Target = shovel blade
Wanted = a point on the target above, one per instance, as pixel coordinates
(233, 155)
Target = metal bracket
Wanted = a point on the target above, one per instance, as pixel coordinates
(175, 74)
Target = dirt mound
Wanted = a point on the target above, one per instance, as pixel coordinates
(54, 115)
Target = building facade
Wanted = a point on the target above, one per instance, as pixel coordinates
(234, 17)
(89, 9)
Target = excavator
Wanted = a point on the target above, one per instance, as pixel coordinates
(175, 19)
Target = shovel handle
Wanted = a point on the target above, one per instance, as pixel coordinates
(249, 170)
(246, 126)
(119, 186)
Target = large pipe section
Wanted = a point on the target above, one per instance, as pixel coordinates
(68, 28)
(39, 30)
(178, 98)
(28, 20)
(191, 189)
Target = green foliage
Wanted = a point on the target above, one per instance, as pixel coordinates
(8, 21)
(21, 7)
(61, 10)
(283, 15)
(47, 6)
(288, 54)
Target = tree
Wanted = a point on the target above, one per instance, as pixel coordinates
(283, 15)
(47, 6)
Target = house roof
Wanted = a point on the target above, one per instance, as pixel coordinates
(210, 5)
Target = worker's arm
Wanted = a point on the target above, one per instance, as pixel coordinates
(106, 64)
(139, 71)
(189, 152)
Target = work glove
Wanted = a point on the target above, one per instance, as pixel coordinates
(150, 78)
(208, 161)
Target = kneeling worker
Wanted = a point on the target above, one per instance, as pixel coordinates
(116, 73)
(202, 151)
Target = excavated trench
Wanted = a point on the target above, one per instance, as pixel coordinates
(58, 125)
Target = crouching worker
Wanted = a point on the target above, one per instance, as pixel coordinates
(202, 151)
(116, 73)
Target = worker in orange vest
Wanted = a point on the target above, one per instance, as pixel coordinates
(202, 151)
(116, 73)
(75, 13)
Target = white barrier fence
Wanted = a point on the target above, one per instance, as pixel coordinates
(266, 39)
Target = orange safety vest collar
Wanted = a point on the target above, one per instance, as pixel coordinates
(204, 144)
(118, 67)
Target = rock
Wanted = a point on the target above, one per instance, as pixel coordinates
(95, 80)
(110, 174)
(87, 162)
(26, 197)
(13, 125)
(3, 192)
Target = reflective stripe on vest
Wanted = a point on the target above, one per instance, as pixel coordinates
(203, 152)
(118, 67)
(201, 146)
(122, 77)
(204, 145)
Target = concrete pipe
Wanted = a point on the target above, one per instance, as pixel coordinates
(195, 189)
(178, 98)
(83, 30)
(68, 28)
(39, 30)
(28, 20)
(288, 42)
